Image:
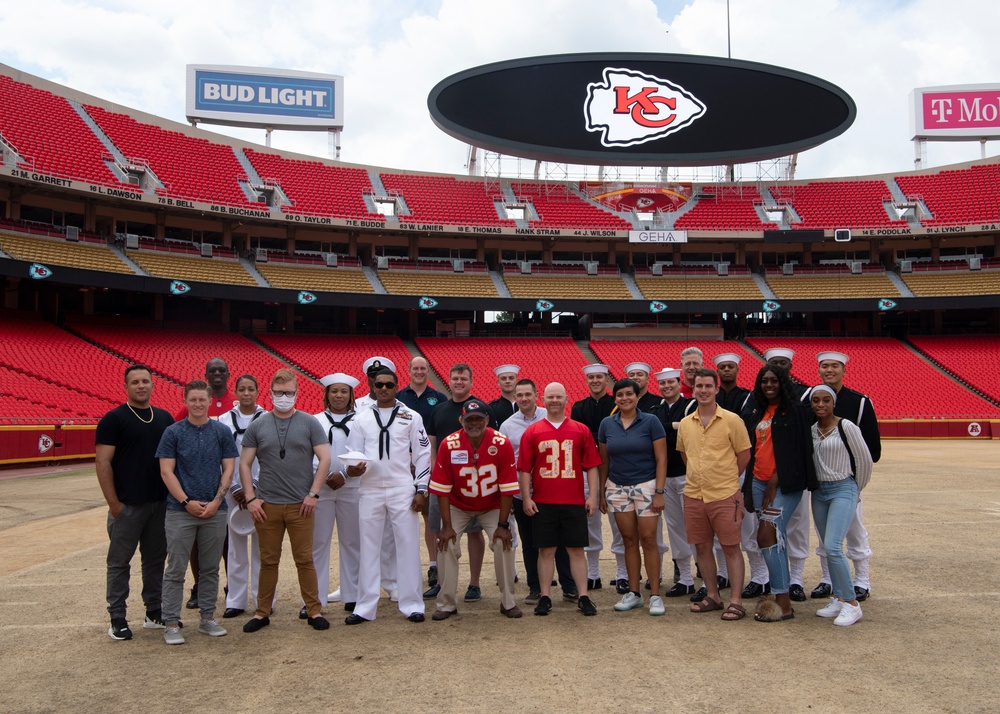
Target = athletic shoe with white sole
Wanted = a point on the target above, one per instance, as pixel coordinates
(629, 601)
(831, 610)
(849, 614)
(119, 629)
(153, 621)
(173, 636)
(334, 596)
(212, 628)
(656, 605)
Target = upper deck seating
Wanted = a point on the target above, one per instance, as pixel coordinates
(957, 283)
(551, 287)
(838, 204)
(334, 280)
(957, 196)
(203, 270)
(807, 287)
(558, 207)
(444, 199)
(726, 209)
(54, 251)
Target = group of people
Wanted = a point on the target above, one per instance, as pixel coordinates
(724, 467)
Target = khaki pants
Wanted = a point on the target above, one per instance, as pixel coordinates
(503, 560)
(271, 533)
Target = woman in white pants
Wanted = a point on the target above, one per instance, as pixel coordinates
(242, 570)
(338, 498)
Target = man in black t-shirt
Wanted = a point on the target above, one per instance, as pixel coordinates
(129, 476)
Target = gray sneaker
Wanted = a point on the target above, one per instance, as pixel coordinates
(212, 628)
(173, 636)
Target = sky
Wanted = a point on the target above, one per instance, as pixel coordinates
(392, 52)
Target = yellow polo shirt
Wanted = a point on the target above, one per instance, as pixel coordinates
(711, 454)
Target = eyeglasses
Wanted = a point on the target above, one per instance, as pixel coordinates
(275, 393)
(385, 385)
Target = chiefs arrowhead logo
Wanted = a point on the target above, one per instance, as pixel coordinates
(39, 271)
(544, 305)
(657, 306)
(178, 287)
(885, 304)
(427, 303)
(306, 298)
(45, 443)
(632, 107)
(771, 306)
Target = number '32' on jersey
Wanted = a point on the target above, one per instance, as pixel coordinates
(474, 479)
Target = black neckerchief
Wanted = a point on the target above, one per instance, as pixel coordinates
(383, 437)
(237, 432)
(342, 425)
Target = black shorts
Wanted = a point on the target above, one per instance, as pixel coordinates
(558, 524)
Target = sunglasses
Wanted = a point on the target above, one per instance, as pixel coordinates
(385, 385)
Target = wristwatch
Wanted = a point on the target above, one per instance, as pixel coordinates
(503, 524)
(421, 491)
(185, 502)
(313, 494)
(659, 491)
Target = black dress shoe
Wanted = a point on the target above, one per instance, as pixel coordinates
(256, 623)
(232, 612)
(860, 593)
(700, 595)
(353, 619)
(723, 582)
(647, 584)
(621, 586)
(756, 589)
(303, 615)
(318, 623)
(416, 617)
(821, 591)
(679, 590)
(349, 606)
(594, 584)
(432, 592)
(797, 593)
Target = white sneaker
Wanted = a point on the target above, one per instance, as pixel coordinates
(629, 601)
(151, 623)
(212, 628)
(831, 610)
(655, 605)
(394, 595)
(334, 596)
(173, 636)
(849, 614)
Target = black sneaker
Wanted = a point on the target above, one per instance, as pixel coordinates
(432, 576)
(154, 621)
(119, 629)
(586, 606)
(544, 606)
(821, 591)
(192, 603)
(571, 595)
(473, 594)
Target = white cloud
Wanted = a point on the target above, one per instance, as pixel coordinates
(393, 52)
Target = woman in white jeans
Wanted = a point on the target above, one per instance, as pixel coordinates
(843, 468)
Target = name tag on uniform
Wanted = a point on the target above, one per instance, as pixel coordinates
(459, 457)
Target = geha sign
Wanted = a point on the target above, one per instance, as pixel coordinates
(636, 109)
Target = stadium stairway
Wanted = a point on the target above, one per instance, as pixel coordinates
(765, 289)
(633, 288)
(120, 159)
(125, 358)
(629, 216)
(587, 352)
(912, 219)
(502, 289)
(372, 276)
(284, 358)
(947, 372)
(902, 287)
(117, 250)
(254, 273)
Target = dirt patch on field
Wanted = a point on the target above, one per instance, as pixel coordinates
(927, 642)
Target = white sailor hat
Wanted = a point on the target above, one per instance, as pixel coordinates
(837, 356)
(668, 373)
(778, 352)
(641, 366)
(596, 369)
(506, 369)
(339, 378)
(727, 357)
(374, 364)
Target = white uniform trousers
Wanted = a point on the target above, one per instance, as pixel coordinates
(338, 508)
(387, 561)
(242, 570)
(377, 507)
(595, 545)
(673, 514)
(858, 550)
(797, 540)
(503, 560)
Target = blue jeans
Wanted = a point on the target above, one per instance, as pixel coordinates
(833, 505)
(776, 556)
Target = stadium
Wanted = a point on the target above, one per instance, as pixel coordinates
(126, 237)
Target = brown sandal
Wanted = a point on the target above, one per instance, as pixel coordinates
(734, 612)
(706, 605)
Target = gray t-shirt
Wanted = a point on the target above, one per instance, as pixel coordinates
(284, 480)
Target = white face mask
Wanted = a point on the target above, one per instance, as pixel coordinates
(283, 404)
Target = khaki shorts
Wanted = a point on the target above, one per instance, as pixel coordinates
(722, 518)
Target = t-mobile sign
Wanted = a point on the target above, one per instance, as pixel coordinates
(956, 112)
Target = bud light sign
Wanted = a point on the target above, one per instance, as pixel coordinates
(252, 96)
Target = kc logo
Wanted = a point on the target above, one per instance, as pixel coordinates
(427, 303)
(306, 298)
(885, 304)
(179, 287)
(544, 305)
(771, 306)
(632, 107)
(657, 306)
(39, 271)
(45, 443)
